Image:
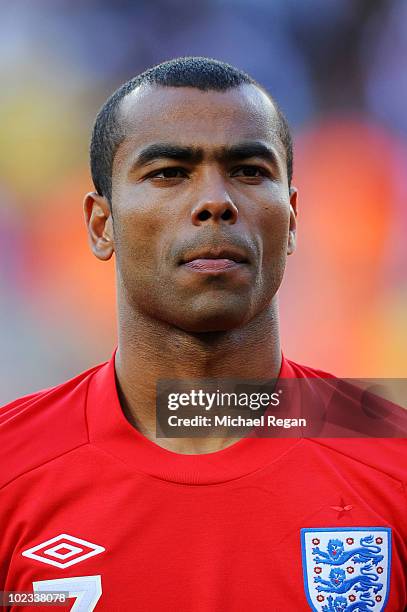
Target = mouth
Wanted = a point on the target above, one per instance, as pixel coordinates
(214, 260)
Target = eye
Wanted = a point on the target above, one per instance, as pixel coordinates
(249, 172)
(168, 173)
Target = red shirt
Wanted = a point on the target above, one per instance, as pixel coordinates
(122, 524)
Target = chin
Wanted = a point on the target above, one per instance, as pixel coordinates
(213, 322)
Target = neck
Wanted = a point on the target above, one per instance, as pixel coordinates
(149, 350)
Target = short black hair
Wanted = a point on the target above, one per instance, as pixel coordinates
(198, 72)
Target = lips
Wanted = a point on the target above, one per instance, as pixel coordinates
(232, 255)
(211, 265)
(214, 261)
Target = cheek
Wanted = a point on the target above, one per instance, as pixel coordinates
(273, 230)
(274, 227)
(133, 243)
(137, 226)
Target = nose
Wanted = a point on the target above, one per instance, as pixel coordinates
(214, 205)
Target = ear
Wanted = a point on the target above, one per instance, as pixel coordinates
(292, 235)
(98, 219)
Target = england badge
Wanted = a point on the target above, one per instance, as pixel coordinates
(346, 569)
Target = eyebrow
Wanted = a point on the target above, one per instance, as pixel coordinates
(246, 150)
(167, 151)
(243, 150)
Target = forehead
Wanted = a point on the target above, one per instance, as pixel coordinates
(191, 117)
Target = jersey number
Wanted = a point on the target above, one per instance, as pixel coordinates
(86, 589)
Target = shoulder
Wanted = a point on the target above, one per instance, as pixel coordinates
(42, 426)
(353, 422)
(384, 455)
(296, 370)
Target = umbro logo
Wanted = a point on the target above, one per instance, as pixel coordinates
(63, 551)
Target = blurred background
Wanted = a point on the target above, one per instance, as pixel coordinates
(337, 67)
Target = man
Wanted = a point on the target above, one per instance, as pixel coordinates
(192, 164)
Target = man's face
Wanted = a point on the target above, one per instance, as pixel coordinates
(201, 206)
